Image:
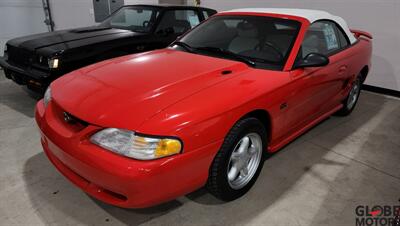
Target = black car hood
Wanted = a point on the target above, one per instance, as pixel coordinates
(87, 35)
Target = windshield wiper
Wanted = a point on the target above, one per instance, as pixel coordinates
(228, 53)
(185, 46)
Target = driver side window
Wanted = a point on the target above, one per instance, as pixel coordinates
(321, 38)
(178, 21)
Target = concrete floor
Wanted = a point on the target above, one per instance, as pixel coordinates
(319, 179)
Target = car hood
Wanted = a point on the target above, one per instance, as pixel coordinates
(87, 35)
(126, 91)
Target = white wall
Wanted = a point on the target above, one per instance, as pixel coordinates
(20, 17)
(379, 17)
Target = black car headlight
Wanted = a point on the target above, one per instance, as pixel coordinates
(54, 63)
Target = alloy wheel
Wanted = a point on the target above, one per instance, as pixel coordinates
(244, 161)
(354, 93)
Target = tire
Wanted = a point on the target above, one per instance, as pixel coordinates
(250, 132)
(351, 100)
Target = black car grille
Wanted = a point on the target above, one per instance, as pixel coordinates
(19, 56)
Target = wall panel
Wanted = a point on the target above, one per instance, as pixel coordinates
(20, 17)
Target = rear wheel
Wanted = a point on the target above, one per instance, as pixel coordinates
(239, 161)
(350, 102)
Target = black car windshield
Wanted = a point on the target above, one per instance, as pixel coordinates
(260, 41)
(139, 19)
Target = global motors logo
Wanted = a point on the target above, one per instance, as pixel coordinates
(378, 215)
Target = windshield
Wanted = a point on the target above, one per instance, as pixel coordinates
(132, 18)
(264, 41)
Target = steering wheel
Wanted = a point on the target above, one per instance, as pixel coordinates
(146, 23)
(277, 51)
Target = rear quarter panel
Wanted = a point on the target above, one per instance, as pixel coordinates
(357, 56)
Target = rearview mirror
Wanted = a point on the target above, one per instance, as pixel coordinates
(313, 60)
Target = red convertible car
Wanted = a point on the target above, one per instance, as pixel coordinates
(139, 130)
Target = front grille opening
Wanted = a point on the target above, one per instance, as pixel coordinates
(73, 122)
(69, 121)
(19, 55)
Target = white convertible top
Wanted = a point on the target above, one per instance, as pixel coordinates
(309, 14)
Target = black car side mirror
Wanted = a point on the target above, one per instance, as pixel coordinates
(313, 60)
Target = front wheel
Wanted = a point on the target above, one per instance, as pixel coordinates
(239, 161)
(350, 102)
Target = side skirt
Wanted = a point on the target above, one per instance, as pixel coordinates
(302, 130)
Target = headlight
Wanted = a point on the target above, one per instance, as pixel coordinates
(47, 97)
(128, 144)
(54, 63)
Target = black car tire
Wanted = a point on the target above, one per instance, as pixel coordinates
(218, 184)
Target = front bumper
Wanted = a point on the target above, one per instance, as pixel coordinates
(34, 79)
(115, 179)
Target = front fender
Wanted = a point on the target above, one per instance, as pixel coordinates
(207, 116)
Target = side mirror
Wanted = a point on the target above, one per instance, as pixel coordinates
(313, 60)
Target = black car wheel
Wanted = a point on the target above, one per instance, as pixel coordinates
(239, 161)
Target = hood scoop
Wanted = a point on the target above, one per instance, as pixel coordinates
(226, 72)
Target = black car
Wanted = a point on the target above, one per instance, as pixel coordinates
(37, 60)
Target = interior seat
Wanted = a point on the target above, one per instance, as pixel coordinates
(247, 38)
(310, 45)
(280, 41)
(181, 26)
